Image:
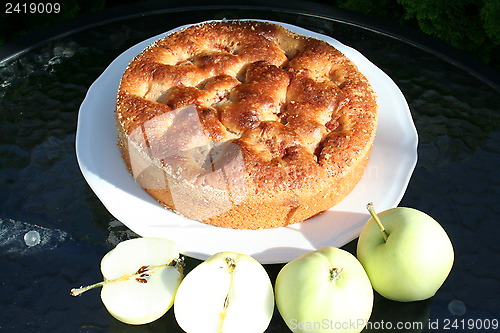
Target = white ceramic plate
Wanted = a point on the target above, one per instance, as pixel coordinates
(391, 164)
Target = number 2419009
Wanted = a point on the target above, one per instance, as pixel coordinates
(470, 324)
(32, 8)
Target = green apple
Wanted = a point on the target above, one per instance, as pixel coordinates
(405, 252)
(141, 277)
(324, 291)
(229, 292)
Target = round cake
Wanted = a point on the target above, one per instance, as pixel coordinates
(245, 124)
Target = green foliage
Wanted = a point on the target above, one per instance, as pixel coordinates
(490, 15)
(469, 25)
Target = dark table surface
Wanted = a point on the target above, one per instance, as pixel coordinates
(454, 102)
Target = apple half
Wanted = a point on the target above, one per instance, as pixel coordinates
(229, 292)
(141, 277)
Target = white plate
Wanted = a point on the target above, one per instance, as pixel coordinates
(391, 164)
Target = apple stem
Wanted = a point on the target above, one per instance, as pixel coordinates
(81, 290)
(141, 275)
(178, 264)
(334, 273)
(231, 264)
(371, 209)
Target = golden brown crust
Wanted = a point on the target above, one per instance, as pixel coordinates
(245, 124)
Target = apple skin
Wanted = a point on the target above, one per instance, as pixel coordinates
(310, 299)
(228, 292)
(129, 300)
(414, 262)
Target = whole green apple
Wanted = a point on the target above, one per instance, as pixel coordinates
(406, 253)
(324, 291)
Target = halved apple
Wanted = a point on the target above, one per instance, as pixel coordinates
(229, 292)
(141, 277)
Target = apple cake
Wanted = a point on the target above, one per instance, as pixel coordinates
(245, 124)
